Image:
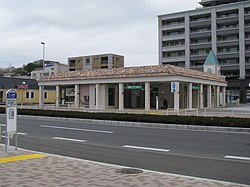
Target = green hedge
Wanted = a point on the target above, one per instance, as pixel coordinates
(186, 120)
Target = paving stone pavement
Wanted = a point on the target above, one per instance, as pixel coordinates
(57, 171)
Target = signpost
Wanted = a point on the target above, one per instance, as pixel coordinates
(11, 117)
(173, 87)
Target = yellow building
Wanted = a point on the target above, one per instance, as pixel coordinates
(27, 91)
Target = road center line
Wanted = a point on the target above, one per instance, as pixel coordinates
(146, 148)
(76, 129)
(22, 133)
(68, 139)
(237, 157)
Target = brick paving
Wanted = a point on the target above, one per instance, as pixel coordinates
(61, 171)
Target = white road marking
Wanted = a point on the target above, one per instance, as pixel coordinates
(146, 148)
(76, 129)
(237, 157)
(68, 139)
(22, 133)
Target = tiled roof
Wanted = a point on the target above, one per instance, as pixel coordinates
(132, 72)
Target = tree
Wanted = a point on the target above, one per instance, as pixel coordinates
(30, 67)
(19, 71)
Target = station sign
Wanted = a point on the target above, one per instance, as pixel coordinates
(134, 87)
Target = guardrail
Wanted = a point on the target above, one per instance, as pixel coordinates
(2, 132)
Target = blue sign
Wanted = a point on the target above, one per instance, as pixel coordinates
(173, 87)
(11, 95)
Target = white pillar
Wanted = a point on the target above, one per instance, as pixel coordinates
(177, 97)
(92, 96)
(77, 96)
(147, 96)
(57, 96)
(121, 96)
(201, 105)
(209, 96)
(223, 96)
(40, 96)
(217, 96)
(190, 96)
(97, 96)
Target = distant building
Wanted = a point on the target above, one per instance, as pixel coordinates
(50, 68)
(91, 62)
(221, 26)
(27, 90)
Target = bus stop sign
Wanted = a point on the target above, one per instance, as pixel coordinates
(11, 110)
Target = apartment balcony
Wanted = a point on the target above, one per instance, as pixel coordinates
(233, 19)
(173, 59)
(247, 29)
(200, 34)
(229, 67)
(173, 48)
(228, 31)
(247, 53)
(173, 37)
(198, 57)
(247, 17)
(227, 43)
(172, 27)
(207, 45)
(206, 22)
(227, 55)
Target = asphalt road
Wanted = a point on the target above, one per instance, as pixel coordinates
(213, 155)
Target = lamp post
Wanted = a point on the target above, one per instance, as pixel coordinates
(23, 83)
(42, 94)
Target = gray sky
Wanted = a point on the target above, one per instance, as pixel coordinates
(82, 27)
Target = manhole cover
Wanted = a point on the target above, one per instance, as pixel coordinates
(129, 171)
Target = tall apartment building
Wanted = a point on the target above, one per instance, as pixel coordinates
(223, 26)
(91, 62)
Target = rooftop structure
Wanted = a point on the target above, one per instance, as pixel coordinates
(100, 61)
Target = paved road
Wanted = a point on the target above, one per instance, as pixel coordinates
(193, 153)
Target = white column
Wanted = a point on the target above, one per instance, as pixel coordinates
(121, 96)
(217, 96)
(57, 96)
(223, 96)
(77, 96)
(92, 96)
(201, 105)
(209, 96)
(40, 96)
(97, 96)
(190, 96)
(177, 97)
(147, 96)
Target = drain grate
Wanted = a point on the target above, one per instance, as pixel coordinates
(129, 171)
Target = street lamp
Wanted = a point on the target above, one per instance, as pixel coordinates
(42, 94)
(23, 84)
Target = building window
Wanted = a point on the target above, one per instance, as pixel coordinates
(72, 63)
(29, 95)
(45, 95)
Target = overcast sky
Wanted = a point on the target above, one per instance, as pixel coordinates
(82, 27)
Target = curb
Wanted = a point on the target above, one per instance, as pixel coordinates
(143, 124)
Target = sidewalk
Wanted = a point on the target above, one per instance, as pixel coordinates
(52, 170)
